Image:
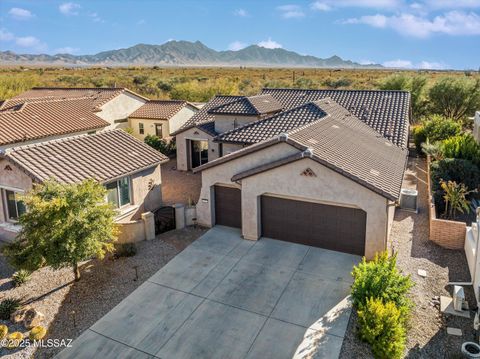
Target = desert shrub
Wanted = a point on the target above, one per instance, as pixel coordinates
(166, 147)
(335, 84)
(3, 331)
(7, 307)
(37, 333)
(380, 279)
(164, 86)
(20, 277)
(140, 79)
(436, 128)
(125, 250)
(455, 170)
(462, 146)
(14, 339)
(382, 326)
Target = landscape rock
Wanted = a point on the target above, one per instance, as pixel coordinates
(33, 318)
(18, 315)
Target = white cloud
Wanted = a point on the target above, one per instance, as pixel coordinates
(270, 44)
(96, 18)
(403, 64)
(452, 4)
(450, 23)
(325, 5)
(31, 42)
(6, 36)
(407, 64)
(66, 50)
(366, 62)
(20, 14)
(69, 8)
(241, 13)
(291, 11)
(237, 45)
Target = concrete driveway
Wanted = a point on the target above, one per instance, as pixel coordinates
(225, 297)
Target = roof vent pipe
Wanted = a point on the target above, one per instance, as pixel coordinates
(283, 136)
(308, 152)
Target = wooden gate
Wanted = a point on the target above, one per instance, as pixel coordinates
(164, 219)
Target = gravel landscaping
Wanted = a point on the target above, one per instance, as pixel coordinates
(427, 337)
(70, 307)
(179, 186)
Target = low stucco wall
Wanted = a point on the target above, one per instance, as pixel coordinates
(445, 233)
(183, 150)
(327, 187)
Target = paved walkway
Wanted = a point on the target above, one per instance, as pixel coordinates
(225, 297)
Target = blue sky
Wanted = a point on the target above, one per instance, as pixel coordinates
(399, 33)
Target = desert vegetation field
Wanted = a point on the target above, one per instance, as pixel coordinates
(200, 84)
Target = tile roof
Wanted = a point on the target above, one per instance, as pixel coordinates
(35, 120)
(159, 109)
(343, 143)
(104, 156)
(263, 129)
(387, 112)
(100, 95)
(202, 116)
(250, 106)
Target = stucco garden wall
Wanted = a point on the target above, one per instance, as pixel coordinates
(147, 189)
(183, 152)
(327, 187)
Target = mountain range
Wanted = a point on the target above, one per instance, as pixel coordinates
(183, 53)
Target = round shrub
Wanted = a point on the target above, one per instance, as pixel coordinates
(14, 339)
(37, 333)
(382, 326)
(20, 277)
(7, 307)
(462, 147)
(380, 279)
(436, 128)
(3, 331)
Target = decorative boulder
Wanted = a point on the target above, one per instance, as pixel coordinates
(18, 315)
(33, 318)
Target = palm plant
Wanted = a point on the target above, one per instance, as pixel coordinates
(455, 198)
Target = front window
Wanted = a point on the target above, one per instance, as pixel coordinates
(118, 192)
(158, 130)
(15, 206)
(141, 130)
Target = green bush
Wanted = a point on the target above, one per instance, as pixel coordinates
(166, 147)
(436, 128)
(380, 279)
(125, 250)
(452, 169)
(462, 146)
(382, 326)
(20, 277)
(7, 307)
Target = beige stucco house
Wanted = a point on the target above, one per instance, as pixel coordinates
(160, 118)
(129, 169)
(314, 173)
(112, 104)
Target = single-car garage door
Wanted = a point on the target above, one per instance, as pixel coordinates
(314, 224)
(228, 206)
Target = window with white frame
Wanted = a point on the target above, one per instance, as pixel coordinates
(14, 205)
(119, 192)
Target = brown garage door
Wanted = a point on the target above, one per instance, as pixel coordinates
(228, 206)
(319, 225)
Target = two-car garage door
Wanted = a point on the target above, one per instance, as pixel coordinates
(332, 227)
(319, 225)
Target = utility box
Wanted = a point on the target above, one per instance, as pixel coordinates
(408, 199)
(458, 298)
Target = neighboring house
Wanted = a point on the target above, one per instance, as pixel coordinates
(160, 118)
(129, 169)
(228, 123)
(113, 105)
(317, 173)
(40, 120)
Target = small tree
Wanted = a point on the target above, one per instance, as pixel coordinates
(455, 98)
(455, 198)
(64, 224)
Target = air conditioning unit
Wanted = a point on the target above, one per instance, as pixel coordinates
(408, 199)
